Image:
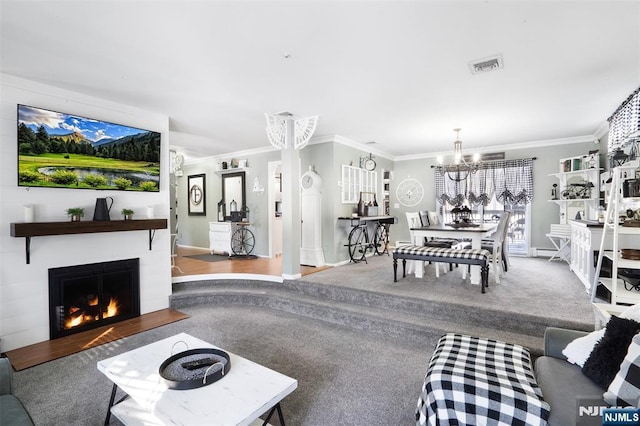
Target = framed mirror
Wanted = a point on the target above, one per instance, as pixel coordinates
(233, 189)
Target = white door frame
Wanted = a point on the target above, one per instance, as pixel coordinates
(271, 210)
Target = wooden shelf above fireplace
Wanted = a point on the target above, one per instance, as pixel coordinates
(39, 229)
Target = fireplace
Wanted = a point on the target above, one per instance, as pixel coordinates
(84, 297)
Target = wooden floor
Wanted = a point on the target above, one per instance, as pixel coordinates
(39, 353)
(261, 265)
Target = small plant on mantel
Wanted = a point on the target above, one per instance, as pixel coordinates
(127, 213)
(75, 213)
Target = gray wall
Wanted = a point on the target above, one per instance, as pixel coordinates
(543, 212)
(327, 159)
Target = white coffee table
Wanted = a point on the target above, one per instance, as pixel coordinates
(247, 391)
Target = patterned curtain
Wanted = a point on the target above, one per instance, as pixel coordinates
(509, 181)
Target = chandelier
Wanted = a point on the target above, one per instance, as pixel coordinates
(460, 170)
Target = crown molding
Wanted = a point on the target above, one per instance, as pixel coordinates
(600, 132)
(359, 146)
(247, 152)
(509, 147)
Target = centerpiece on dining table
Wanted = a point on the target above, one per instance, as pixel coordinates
(461, 217)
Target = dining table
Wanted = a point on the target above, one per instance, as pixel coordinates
(473, 232)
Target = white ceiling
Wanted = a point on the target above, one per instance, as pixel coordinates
(393, 72)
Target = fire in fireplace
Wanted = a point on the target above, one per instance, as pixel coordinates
(83, 297)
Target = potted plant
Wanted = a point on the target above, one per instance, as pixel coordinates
(127, 213)
(76, 213)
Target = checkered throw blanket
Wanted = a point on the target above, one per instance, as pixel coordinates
(475, 381)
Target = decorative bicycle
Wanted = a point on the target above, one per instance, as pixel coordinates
(360, 240)
(242, 240)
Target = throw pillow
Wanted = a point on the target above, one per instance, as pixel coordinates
(624, 390)
(605, 359)
(579, 350)
(632, 312)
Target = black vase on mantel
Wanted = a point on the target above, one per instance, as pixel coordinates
(361, 206)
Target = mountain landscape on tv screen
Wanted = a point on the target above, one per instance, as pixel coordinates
(68, 151)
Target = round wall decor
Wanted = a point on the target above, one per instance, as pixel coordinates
(410, 192)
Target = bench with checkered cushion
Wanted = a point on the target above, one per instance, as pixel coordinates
(478, 257)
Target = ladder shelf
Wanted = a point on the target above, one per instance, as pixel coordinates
(615, 202)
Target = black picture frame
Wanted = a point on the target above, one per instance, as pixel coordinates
(196, 194)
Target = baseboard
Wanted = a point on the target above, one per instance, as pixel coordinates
(542, 252)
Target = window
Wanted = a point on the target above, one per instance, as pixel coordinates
(356, 180)
(496, 186)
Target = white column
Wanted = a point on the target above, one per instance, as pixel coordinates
(291, 227)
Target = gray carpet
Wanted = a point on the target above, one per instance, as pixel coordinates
(346, 375)
(532, 286)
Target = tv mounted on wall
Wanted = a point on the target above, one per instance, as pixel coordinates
(58, 150)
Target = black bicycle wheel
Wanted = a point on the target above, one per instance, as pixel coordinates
(358, 243)
(242, 242)
(381, 239)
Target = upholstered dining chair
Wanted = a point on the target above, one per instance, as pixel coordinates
(428, 218)
(497, 246)
(413, 220)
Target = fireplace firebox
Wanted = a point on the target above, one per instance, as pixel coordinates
(84, 297)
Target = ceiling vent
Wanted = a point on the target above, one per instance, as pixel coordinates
(483, 65)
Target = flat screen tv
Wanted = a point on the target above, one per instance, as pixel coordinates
(58, 150)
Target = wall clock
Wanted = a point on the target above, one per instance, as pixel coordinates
(311, 181)
(370, 164)
(410, 192)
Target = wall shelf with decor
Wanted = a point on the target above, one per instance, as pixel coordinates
(578, 190)
(232, 170)
(41, 229)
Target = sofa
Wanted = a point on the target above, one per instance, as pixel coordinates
(12, 412)
(562, 382)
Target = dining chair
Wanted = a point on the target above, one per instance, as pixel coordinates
(413, 220)
(497, 246)
(428, 218)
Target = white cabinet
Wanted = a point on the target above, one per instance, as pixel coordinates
(220, 236)
(585, 240)
(577, 194)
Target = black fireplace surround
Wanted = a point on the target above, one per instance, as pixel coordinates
(84, 297)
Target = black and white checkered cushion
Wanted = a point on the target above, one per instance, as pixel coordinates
(477, 254)
(477, 381)
(624, 390)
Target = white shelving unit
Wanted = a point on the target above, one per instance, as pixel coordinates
(621, 237)
(578, 170)
(386, 183)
